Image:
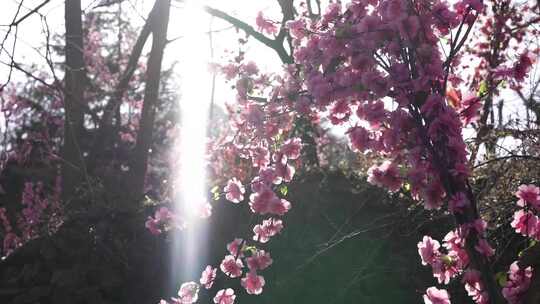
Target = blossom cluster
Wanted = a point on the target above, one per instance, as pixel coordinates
(526, 222)
(163, 220)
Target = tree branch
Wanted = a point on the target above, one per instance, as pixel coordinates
(248, 29)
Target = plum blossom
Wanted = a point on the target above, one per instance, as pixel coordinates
(253, 283)
(428, 249)
(259, 260)
(231, 267)
(517, 283)
(265, 25)
(525, 223)
(164, 219)
(385, 175)
(234, 190)
(208, 277)
(235, 247)
(474, 287)
(436, 296)
(270, 227)
(188, 293)
(266, 201)
(291, 148)
(528, 195)
(225, 296)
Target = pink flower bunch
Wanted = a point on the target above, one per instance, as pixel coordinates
(525, 221)
(386, 175)
(163, 220)
(11, 240)
(267, 229)
(225, 296)
(234, 190)
(474, 287)
(444, 266)
(517, 283)
(436, 296)
(265, 25)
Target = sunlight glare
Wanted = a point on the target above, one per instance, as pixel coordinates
(193, 54)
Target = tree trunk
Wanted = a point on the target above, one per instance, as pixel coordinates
(73, 162)
(139, 162)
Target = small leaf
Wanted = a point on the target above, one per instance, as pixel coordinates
(284, 190)
(501, 278)
(250, 249)
(482, 89)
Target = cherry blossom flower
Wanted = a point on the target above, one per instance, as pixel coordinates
(525, 223)
(253, 283)
(528, 195)
(436, 296)
(231, 267)
(292, 148)
(385, 175)
(265, 25)
(188, 293)
(234, 190)
(268, 228)
(428, 249)
(517, 283)
(474, 287)
(235, 247)
(259, 260)
(208, 276)
(225, 296)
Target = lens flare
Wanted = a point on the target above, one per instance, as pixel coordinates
(193, 52)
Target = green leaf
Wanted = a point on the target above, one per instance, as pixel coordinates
(501, 278)
(482, 89)
(251, 249)
(284, 190)
(215, 192)
(447, 260)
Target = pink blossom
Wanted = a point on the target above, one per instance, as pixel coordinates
(266, 201)
(225, 296)
(153, 226)
(457, 202)
(205, 210)
(253, 283)
(292, 148)
(234, 190)
(517, 283)
(428, 249)
(188, 293)
(283, 172)
(265, 25)
(474, 287)
(360, 139)
(525, 223)
(297, 28)
(385, 175)
(259, 260)
(260, 156)
(268, 228)
(208, 277)
(436, 296)
(231, 266)
(234, 247)
(433, 195)
(528, 195)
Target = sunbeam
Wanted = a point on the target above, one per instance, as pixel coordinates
(193, 53)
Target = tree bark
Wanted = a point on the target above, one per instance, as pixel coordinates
(105, 124)
(139, 163)
(73, 162)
